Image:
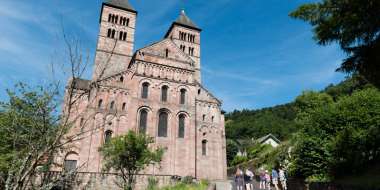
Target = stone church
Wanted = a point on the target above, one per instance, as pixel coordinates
(155, 90)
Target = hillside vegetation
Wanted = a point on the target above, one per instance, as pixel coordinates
(331, 134)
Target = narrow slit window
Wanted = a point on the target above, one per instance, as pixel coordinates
(164, 93)
(181, 126)
(182, 96)
(144, 92)
(100, 103)
(204, 147)
(163, 124)
(143, 121)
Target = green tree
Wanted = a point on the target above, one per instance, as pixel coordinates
(339, 138)
(129, 154)
(28, 134)
(354, 25)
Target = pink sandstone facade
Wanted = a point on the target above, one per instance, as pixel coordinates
(157, 90)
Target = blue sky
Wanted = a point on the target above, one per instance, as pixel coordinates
(253, 54)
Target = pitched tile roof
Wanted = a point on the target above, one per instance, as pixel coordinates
(123, 4)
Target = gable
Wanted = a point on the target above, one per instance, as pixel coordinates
(165, 52)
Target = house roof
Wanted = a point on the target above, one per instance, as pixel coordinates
(185, 21)
(264, 138)
(81, 84)
(121, 4)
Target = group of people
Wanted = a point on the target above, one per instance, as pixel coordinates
(244, 180)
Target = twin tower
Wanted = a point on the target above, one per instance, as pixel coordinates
(115, 47)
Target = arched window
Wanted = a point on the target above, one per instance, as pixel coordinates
(143, 121)
(212, 119)
(203, 117)
(109, 33)
(181, 126)
(204, 147)
(100, 103)
(121, 79)
(70, 164)
(182, 99)
(109, 17)
(163, 124)
(164, 93)
(127, 24)
(112, 105)
(166, 53)
(121, 20)
(107, 136)
(113, 33)
(121, 35)
(125, 36)
(144, 90)
(116, 18)
(123, 106)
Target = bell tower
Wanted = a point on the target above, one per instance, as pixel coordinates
(115, 39)
(187, 35)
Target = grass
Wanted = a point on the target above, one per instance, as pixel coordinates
(183, 186)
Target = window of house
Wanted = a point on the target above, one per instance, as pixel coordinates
(199, 91)
(212, 119)
(144, 91)
(109, 33)
(127, 24)
(70, 165)
(112, 105)
(116, 18)
(125, 36)
(163, 124)
(143, 121)
(181, 126)
(182, 96)
(113, 34)
(203, 117)
(121, 79)
(121, 35)
(164, 93)
(204, 147)
(166, 53)
(109, 17)
(100, 103)
(107, 136)
(123, 106)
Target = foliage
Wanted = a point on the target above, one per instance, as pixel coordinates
(238, 160)
(184, 186)
(354, 25)
(152, 183)
(129, 154)
(247, 124)
(232, 150)
(339, 138)
(28, 134)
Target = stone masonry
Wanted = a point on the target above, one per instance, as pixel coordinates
(157, 90)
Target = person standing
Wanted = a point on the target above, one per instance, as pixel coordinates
(262, 179)
(267, 179)
(249, 181)
(275, 178)
(239, 179)
(282, 178)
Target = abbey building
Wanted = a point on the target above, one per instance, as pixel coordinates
(155, 90)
